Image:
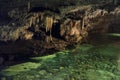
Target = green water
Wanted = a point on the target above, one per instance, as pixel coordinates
(99, 60)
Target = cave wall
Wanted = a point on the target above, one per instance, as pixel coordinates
(6, 5)
(68, 22)
(66, 26)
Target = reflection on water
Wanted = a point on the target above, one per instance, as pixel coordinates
(104, 39)
(98, 60)
(112, 40)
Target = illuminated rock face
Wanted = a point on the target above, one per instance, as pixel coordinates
(65, 25)
(27, 35)
(109, 22)
(80, 22)
(74, 24)
(71, 30)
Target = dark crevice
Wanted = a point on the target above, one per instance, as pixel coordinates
(56, 31)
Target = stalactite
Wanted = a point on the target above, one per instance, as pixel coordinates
(31, 21)
(83, 22)
(49, 24)
(28, 5)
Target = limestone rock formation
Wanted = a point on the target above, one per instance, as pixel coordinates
(73, 26)
(70, 30)
(53, 25)
(51, 29)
